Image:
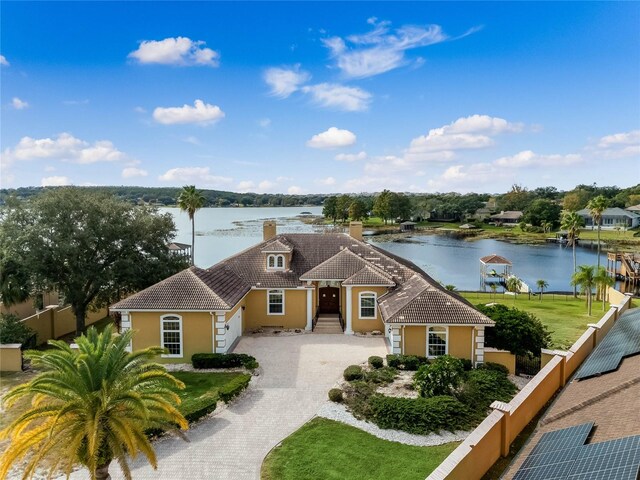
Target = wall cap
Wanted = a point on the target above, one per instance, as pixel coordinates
(10, 345)
(501, 406)
(491, 349)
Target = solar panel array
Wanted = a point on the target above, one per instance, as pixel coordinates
(622, 340)
(562, 455)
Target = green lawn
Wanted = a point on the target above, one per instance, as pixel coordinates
(199, 387)
(565, 316)
(324, 450)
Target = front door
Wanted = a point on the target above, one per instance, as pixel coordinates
(329, 301)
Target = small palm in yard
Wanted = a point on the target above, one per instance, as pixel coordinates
(585, 278)
(514, 285)
(603, 281)
(90, 405)
(494, 289)
(191, 200)
(542, 284)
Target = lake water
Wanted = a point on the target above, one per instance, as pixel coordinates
(222, 232)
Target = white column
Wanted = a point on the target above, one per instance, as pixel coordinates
(348, 329)
(221, 333)
(309, 309)
(396, 336)
(480, 344)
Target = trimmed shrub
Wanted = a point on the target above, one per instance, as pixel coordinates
(466, 364)
(335, 395)
(406, 362)
(483, 386)
(376, 362)
(382, 376)
(223, 360)
(353, 372)
(498, 367)
(234, 387)
(12, 330)
(357, 395)
(203, 406)
(441, 377)
(421, 415)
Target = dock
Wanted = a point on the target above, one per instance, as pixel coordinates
(624, 267)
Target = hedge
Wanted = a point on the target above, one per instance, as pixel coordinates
(406, 362)
(234, 387)
(223, 360)
(203, 406)
(353, 372)
(483, 386)
(376, 362)
(335, 395)
(421, 415)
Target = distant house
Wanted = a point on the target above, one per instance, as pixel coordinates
(634, 209)
(510, 217)
(325, 283)
(482, 213)
(612, 218)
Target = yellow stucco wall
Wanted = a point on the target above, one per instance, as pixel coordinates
(232, 312)
(460, 341)
(10, 358)
(295, 310)
(365, 325)
(503, 357)
(197, 332)
(415, 340)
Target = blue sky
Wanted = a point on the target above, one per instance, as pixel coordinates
(305, 97)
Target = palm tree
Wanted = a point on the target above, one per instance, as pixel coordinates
(91, 405)
(571, 223)
(191, 200)
(603, 281)
(585, 277)
(596, 206)
(514, 285)
(494, 289)
(541, 286)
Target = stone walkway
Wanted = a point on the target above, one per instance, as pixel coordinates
(297, 372)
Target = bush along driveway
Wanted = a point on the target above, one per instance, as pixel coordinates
(295, 374)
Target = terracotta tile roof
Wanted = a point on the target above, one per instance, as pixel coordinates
(497, 259)
(328, 256)
(610, 400)
(187, 290)
(370, 275)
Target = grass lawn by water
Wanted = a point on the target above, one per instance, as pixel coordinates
(565, 317)
(327, 450)
(200, 386)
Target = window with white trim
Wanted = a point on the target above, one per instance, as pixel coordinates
(437, 341)
(275, 262)
(367, 302)
(275, 302)
(171, 335)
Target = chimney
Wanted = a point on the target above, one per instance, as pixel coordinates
(355, 230)
(268, 230)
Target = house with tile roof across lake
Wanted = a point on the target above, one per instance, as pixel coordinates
(319, 282)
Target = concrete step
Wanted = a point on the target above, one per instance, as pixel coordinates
(328, 330)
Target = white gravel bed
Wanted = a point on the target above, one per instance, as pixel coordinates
(187, 367)
(339, 413)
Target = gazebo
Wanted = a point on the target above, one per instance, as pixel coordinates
(494, 269)
(407, 226)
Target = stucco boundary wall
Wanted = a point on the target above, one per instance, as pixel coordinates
(493, 437)
(503, 357)
(55, 322)
(10, 357)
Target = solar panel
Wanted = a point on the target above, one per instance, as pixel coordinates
(622, 341)
(562, 455)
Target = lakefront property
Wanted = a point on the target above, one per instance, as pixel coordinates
(326, 283)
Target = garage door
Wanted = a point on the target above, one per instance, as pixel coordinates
(235, 329)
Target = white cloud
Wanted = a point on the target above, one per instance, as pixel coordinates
(131, 172)
(351, 157)
(49, 168)
(180, 51)
(264, 122)
(339, 97)
(76, 102)
(194, 175)
(527, 158)
(473, 132)
(64, 147)
(618, 145)
(284, 81)
(19, 104)
(295, 190)
(245, 186)
(55, 181)
(201, 113)
(332, 138)
(266, 185)
(192, 140)
(326, 181)
(140, 110)
(369, 183)
(380, 50)
(3, 61)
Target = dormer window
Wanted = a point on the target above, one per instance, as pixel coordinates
(275, 262)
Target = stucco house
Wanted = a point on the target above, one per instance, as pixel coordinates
(611, 218)
(510, 217)
(328, 282)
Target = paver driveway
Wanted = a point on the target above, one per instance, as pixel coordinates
(297, 372)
